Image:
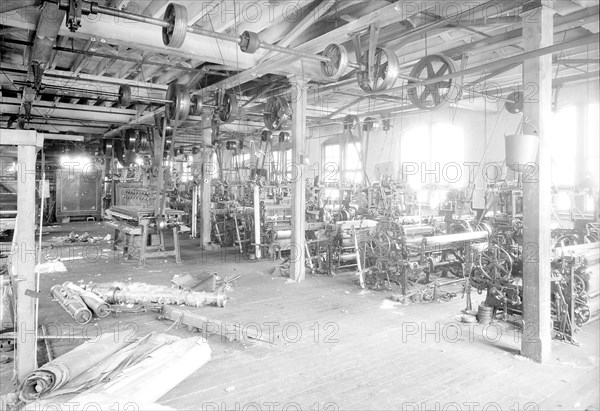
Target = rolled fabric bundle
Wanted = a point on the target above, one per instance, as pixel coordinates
(139, 293)
(95, 303)
(72, 303)
(283, 234)
(56, 373)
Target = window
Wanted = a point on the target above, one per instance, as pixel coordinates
(592, 147)
(242, 160)
(282, 160)
(433, 155)
(353, 172)
(353, 167)
(563, 144)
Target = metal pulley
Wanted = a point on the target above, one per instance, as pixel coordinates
(124, 157)
(337, 62)
(285, 137)
(515, 102)
(161, 224)
(381, 73)
(179, 107)
(277, 113)
(168, 142)
(266, 135)
(435, 94)
(124, 97)
(249, 42)
(179, 104)
(196, 105)
(131, 139)
(231, 145)
(174, 33)
(107, 147)
(144, 143)
(226, 107)
(370, 124)
(350, 122)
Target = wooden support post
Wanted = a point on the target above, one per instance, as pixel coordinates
(258, 251)
(580, 151)
(205, 224)
(23, 260)
(537, 75)
(298, 268)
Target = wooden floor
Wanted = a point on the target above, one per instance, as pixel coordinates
(340, 347)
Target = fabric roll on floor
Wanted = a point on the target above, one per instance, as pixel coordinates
(53, 375)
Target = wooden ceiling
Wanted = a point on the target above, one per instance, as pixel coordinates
(85, 68)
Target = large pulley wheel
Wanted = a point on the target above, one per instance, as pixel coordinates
(178, 107)
(249, 42)
(124, 97)
(174, 34)
(383, 73)
(131, 139)
(277, 112)
(380, 245)
(514, 102)
(123, 156)
(227, 108)
(196, 105)
(370, 124)
(496, 262)
(350, 122)
(436, 94)
(161, 127)
(337, 63)
(144, 143)
(107, 147)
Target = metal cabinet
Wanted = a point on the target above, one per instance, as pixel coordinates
(78, 194)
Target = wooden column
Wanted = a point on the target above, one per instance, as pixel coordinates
(297, 268)
(24, 250)
(537, 75)
(205, 224)
(580, 151)
(257, 222)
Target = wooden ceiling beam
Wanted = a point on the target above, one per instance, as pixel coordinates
(384, 16)
(149, 38)
(316, 12)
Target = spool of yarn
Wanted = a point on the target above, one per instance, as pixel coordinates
(484, 314)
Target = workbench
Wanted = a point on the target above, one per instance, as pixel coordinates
(135, 225)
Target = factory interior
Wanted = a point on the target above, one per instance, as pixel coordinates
(299, 205)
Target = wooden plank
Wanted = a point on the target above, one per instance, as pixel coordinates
(83, 80)
(537, 208)
(299, 90)
(10, 137)
(318, 10)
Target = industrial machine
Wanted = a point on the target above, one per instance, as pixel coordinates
(79, 191)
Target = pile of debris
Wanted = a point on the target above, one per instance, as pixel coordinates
(83, 302)
(76, 238)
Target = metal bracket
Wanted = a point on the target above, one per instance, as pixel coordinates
(373, 38)
(73, 20)
(33, 294)
(357, 46)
